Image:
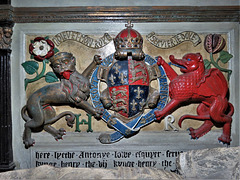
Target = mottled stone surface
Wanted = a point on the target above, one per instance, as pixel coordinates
(49, 172)
(217, 163)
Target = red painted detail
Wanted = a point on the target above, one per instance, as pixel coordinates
(47, 107)
(196, 85)
(138, 73)
(128, 32)
(66, 74)
(133, 33)
(120, 100)
(124, 33)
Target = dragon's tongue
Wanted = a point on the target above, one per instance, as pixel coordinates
(66, 74)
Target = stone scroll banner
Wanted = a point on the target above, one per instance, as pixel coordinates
(82, 38)
(174, 40)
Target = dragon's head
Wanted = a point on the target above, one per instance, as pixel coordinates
(190, 62)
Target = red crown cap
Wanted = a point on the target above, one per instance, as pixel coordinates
(128, 39)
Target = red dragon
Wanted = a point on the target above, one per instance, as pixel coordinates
(198, 85)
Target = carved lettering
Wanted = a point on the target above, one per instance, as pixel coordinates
(175, 40)
(82, 38)
(164, 159)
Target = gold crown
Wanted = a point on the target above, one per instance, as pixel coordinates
(128, 38)
(61, 55)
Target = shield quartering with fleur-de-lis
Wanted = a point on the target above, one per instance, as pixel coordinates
(128, 74)
(128, 86)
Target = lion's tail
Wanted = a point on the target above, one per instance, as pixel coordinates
(24, 115)
(70, 117)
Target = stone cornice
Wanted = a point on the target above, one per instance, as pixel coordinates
(6, 13)
(119, 14)
(122, 14)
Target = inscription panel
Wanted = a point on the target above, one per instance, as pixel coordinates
(108, 159)
(145, 150)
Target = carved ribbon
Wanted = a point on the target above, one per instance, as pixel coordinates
(174, 40)
(82, 38)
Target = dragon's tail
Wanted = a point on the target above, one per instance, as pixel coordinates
(230, 112)
(231, 109)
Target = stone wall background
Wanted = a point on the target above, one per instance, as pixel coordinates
(216, 163)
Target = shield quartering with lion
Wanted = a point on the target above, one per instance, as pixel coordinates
(128, 86)
(128, 74)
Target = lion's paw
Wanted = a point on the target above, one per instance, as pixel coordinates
(28, 142)
(60, 133)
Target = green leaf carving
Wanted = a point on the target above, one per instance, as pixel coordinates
(225, 56)
(207, 64)
(30, 67)
(50, 77)
(55, 50)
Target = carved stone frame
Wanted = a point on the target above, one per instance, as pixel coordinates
(105, 16)
(23, 156)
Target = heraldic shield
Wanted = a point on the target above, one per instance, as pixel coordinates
(128, 95)
(128, 74)
(128, 84)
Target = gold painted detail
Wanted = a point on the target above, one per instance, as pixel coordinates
(119, 102)
(133, 104)
(82, 38)
(143, 121)
(112, 121)
(174, 40)
(135, 68)
(139, 92)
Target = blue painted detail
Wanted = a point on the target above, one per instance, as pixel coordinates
(118, 74)
(170, 63)
(133, 126)
(137, 98)
(108, 60)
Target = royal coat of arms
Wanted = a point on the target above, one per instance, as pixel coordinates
(122, 90)
(128, 74)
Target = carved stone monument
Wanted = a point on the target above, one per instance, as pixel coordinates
(128, 91)
(114, 87)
